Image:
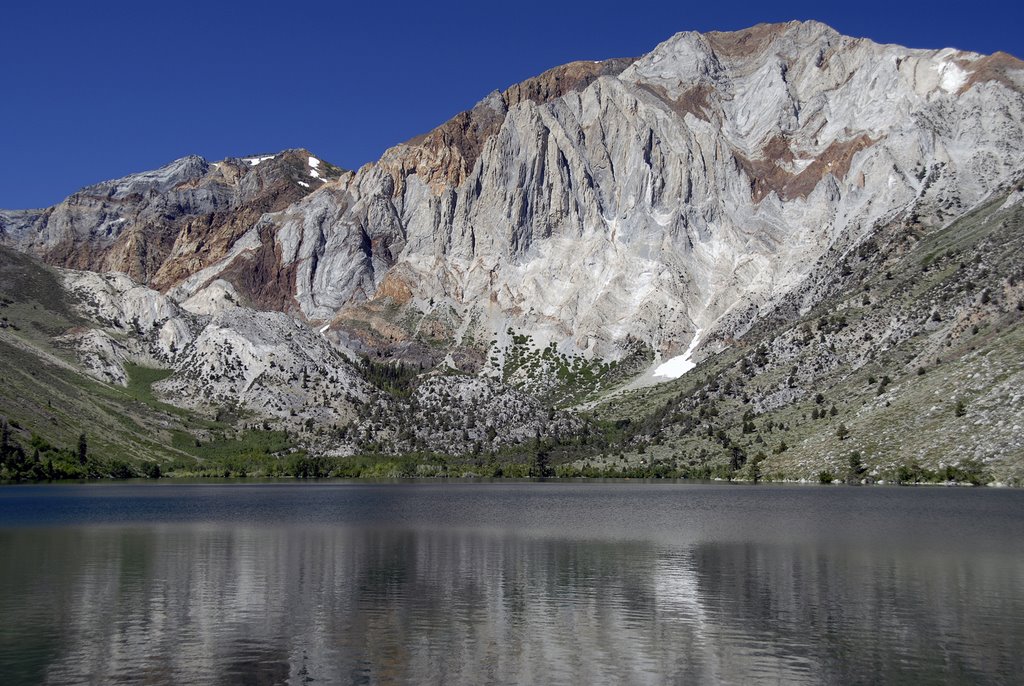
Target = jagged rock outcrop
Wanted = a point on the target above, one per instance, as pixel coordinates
(221, 357)
(162, 226)
(269, 365)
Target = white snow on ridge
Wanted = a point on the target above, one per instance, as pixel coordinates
(680, 364)
(314, 163)
(253, 161)
(951, 77)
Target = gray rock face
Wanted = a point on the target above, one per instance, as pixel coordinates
(222, 356)
(707, 177)
(847, 213)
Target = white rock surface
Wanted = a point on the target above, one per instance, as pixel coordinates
(155, 329)
(223, 356)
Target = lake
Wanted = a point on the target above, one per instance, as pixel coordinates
(509, 582)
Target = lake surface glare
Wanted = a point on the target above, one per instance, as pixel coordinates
(509, 582)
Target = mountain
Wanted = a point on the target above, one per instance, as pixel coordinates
(163, 226)
(542, 255)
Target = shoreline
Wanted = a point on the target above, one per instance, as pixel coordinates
(478, 479)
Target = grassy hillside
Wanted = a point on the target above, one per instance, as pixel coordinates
(48, 402)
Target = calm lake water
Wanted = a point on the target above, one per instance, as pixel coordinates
(480, 583)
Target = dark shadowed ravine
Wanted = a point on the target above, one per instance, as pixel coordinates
(477, 583)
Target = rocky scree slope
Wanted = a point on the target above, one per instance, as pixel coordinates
(100, 354)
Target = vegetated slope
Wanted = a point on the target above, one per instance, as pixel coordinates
(909, 368)
(86, 354)
(44, 393)
(213, 387)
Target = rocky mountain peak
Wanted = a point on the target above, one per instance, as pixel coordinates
(162, 225)
(596, 204)
(445, 156)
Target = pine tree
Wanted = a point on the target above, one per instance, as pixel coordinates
(857, 468)
(540, 465)
(83, 449)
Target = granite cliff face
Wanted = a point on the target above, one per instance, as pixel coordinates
(705, 177)
(586, 224)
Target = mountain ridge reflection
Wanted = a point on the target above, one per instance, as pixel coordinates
(340, 599)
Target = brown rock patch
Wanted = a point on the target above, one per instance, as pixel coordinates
(163, 249)
(991, 68)
(568, 78)
(394, 287)
(767, 176)
(262, 278)
(746, 42)
(695, 101)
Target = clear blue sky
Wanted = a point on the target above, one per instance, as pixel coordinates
(95, 90)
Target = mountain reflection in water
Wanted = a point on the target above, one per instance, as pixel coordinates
(357, 598)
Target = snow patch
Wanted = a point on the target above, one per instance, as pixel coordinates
(323, 329)
(303, 184)
(314, 165)
(680, 364)
(951, 77)
(253, 161)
